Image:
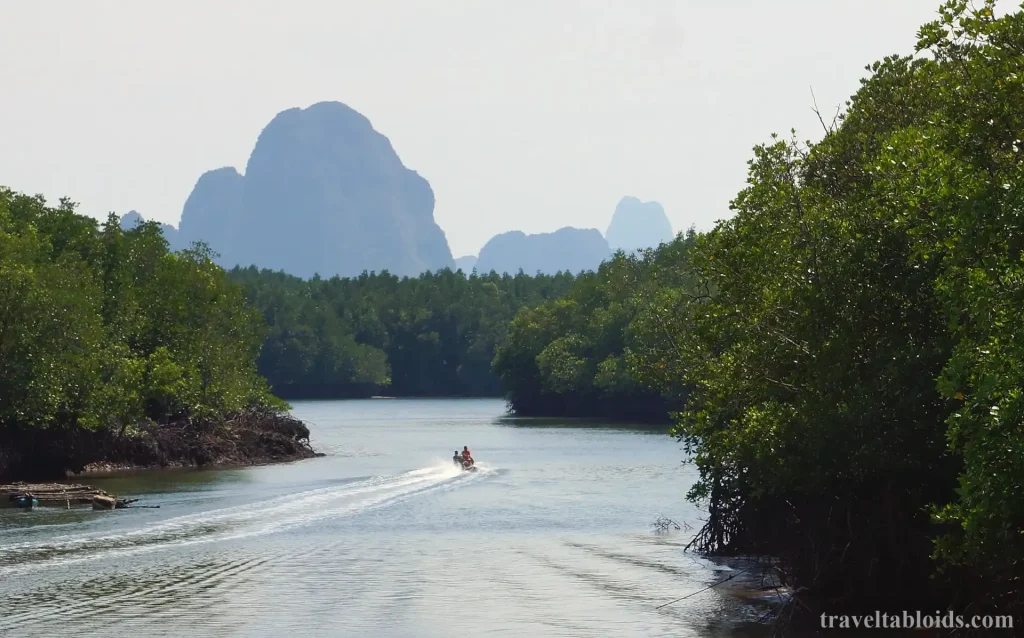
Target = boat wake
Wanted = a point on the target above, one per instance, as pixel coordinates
(243, 521)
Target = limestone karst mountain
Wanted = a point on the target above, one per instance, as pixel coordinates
(466, 263)
(213, 214)
(323, 193)
(637, 225)
(567, 249)
(133, 218)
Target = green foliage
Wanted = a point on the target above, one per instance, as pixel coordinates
(850, 339)
(100, 327)
(589, 353)
(860, 360)
(432, 335)
(973, 191)
(49, 325)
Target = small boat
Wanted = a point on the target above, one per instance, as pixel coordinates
(25, 501)
(465, 466)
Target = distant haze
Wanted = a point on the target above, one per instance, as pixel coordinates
(466, 264)
(522, 114)
(637, 225)
(567, 249)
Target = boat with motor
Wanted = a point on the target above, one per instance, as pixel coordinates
(465, 464)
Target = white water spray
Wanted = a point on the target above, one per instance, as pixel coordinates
(242, 521)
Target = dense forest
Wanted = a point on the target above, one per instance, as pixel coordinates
(445, 334)
(115, 349)
(103, 331)
(595, 351)
(432, 335)
(850, 343)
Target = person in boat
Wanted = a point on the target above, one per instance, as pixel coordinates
(457, 459)
(467, 457)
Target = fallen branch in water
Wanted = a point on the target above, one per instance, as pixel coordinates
(711, 586)
(665, 524)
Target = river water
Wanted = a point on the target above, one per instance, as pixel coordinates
(384, 536)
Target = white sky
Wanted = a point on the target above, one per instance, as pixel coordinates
(523, 114)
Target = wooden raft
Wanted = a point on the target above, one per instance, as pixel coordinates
(60, 495)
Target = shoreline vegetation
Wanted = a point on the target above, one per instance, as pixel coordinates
(845, 354)
(843, 358)
(599, 350)
(115, 350)
(247, 438)
(379, 334)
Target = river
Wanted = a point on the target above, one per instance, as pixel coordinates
(383, 536)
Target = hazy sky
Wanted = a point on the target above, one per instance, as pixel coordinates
(522, 114)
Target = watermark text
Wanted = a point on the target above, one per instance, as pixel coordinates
(915, 620)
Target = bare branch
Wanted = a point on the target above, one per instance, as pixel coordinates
(818, 113)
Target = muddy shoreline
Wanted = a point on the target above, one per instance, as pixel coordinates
(243, 439)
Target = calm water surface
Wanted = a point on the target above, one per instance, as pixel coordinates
(384, 537)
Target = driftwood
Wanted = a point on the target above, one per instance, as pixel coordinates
(666, 524)
(60, 494)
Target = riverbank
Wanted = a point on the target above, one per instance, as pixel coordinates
(246, 438)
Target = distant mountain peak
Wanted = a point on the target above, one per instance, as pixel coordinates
(566, 249)
(323, 193)
(637, 224)
(133, 218)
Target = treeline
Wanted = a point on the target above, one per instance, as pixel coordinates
(588, 353)
(432, 335)
(101, 329)
(850, 342)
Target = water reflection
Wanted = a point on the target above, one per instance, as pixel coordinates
(582, 423)
(143, 482)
